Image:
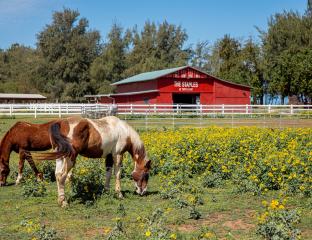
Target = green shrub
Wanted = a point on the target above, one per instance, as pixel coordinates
(34, 188)
(27, 172)
(278, 223)
(48, 169)
(211, 180)
(87, 182)
(38, 231)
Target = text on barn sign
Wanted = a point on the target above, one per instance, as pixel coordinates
(185, 85)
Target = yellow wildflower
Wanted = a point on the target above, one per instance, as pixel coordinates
(274, 204)
(148, 233)
(208, 235)
(173, 236)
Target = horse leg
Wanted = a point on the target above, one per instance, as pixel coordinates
(117, 167)
(63, 166)
(109, 166)
(69, 176)
(20, 168)
(28, 157)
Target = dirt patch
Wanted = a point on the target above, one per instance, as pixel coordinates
(218, 219)
(94, 232)
(187, 228)
(193, 225)
(238, 225)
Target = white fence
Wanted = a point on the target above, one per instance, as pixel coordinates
(99, 110)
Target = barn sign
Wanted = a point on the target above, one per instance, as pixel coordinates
(186, 85)
(181, 85)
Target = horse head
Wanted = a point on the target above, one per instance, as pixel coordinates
(140, 176)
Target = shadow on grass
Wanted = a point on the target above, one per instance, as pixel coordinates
(133, 193)
(9, 184)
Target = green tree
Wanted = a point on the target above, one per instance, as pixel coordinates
(111, 64)
(239, 62)
(286, 47)
(309, 7)
(17, 69)
(201, 56)
(226, 59)
(68, 48)
(253, 69)
(157, 47)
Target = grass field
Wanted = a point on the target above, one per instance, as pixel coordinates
(228, 215)
(225, 214)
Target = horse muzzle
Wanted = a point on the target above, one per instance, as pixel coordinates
(141, 191)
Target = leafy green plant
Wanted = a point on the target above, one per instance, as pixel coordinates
(211, 180)
(38, 231)
(34, 188)
(154, 226)
(87, 182)
(278, 223)
(48, 169)
(118, 231)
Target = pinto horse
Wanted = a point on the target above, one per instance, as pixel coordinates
(22, 138)
(108, 136)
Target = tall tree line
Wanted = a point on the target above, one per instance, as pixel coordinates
(70, 59)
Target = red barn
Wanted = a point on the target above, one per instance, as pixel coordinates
(182, 85)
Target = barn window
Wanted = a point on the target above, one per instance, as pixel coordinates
(146, 100)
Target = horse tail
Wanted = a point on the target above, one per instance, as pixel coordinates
(59, 142)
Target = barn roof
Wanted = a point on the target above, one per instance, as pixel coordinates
(149, 75)
(21, 96)
(160, 73)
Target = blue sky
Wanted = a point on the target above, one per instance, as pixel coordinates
(21, 20)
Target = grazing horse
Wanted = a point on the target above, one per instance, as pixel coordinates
(108, 136)
(22, 138)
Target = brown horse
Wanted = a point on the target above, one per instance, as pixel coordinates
(22, 138)
(96, 139)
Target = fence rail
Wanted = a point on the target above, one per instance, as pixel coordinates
(99, 110)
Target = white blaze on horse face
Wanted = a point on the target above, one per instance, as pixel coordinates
(139, 190)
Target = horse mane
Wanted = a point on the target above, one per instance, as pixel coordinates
(136, 142)
(2, 141)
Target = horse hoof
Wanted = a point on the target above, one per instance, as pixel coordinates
(120, 195)
(64, 204)
(40, 176)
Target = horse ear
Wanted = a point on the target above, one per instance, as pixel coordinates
(148, 164)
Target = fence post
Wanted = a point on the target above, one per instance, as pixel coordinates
(155, 108)
(11, 110)
(131, 108)
(291, 109)
(60, 113)
(232, 119)
(246, 108)
(269, 108)
(145, 120)
(222, 108)
(36, 111)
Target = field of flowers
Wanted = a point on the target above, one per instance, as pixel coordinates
(254, 159)
(210, 183)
